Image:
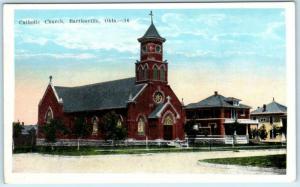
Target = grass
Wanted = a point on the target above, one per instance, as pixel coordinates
(72, 151)
(269, 161)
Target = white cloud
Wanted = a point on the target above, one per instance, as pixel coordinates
(81, 56)
(35, 40)
(210, 19)
(88, 36)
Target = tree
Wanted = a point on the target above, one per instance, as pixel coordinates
(110, 128)
(262, 132)
(190, 130)
(253, 133)
(189, 127)
(17, 129)
(53, 128)
(81, 129)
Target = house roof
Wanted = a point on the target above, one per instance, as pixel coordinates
(27, 128)
(152, 33)
(272, 107)
(216, 100)
(99, 96)
(154, 113)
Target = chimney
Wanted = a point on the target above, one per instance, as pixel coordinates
(264, 107)
(216, 92)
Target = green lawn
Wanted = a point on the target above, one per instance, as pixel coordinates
(72, 151)
(273, 161)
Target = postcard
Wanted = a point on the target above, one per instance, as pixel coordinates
(149, 92)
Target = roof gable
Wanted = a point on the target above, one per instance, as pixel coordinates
(99, 96)
(157, 112)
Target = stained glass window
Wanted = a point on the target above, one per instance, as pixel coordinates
(168, 120)
(95, 125)
(141, 126)
(49, 116)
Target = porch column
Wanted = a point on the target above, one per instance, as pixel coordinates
(221, 123)
(247, 129)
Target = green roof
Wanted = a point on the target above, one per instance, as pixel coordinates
(272, 107)
(99, 96)
(152, 33)
(216, 100)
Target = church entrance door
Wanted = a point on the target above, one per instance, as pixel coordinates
(168, 129)
(168, 123)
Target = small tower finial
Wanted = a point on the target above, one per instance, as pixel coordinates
(151, 15)
(50, 79)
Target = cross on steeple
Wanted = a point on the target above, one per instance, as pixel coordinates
(151, 15)
(50, 79)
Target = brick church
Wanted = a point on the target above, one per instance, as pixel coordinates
(146, 104)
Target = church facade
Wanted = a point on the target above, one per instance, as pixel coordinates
(146, 104)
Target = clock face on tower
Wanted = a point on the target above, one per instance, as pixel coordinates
(158, 97)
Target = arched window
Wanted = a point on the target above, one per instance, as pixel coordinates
(155, 73)
(168, 120)
(95, 121)
(49, 115)
(146, 73)
(141, 126)
(162, 74)
(140, 73)
(120, 121)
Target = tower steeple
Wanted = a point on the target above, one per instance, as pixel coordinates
(151, 66)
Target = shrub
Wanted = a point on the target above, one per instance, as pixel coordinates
(17, 129)
(81, 128)
(110, 129)
(262, 132)
(51, 129)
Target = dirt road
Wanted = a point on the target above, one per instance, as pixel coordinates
(139, 163)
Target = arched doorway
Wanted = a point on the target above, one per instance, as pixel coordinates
(168, 126)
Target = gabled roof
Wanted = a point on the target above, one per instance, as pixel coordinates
(216, 100)
(272, 107)
(99, 96)
(152, 33)
(157, 112)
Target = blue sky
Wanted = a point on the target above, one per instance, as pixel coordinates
(239, 52)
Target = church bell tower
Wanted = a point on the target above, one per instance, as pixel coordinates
(151, 67)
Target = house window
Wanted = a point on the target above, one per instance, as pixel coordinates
(162, 74)
(233, 114)
(243, 112)
(95, 125)
(49, 115)
(276, 119)
(155, 73)
(141, 126)
(263, 120)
